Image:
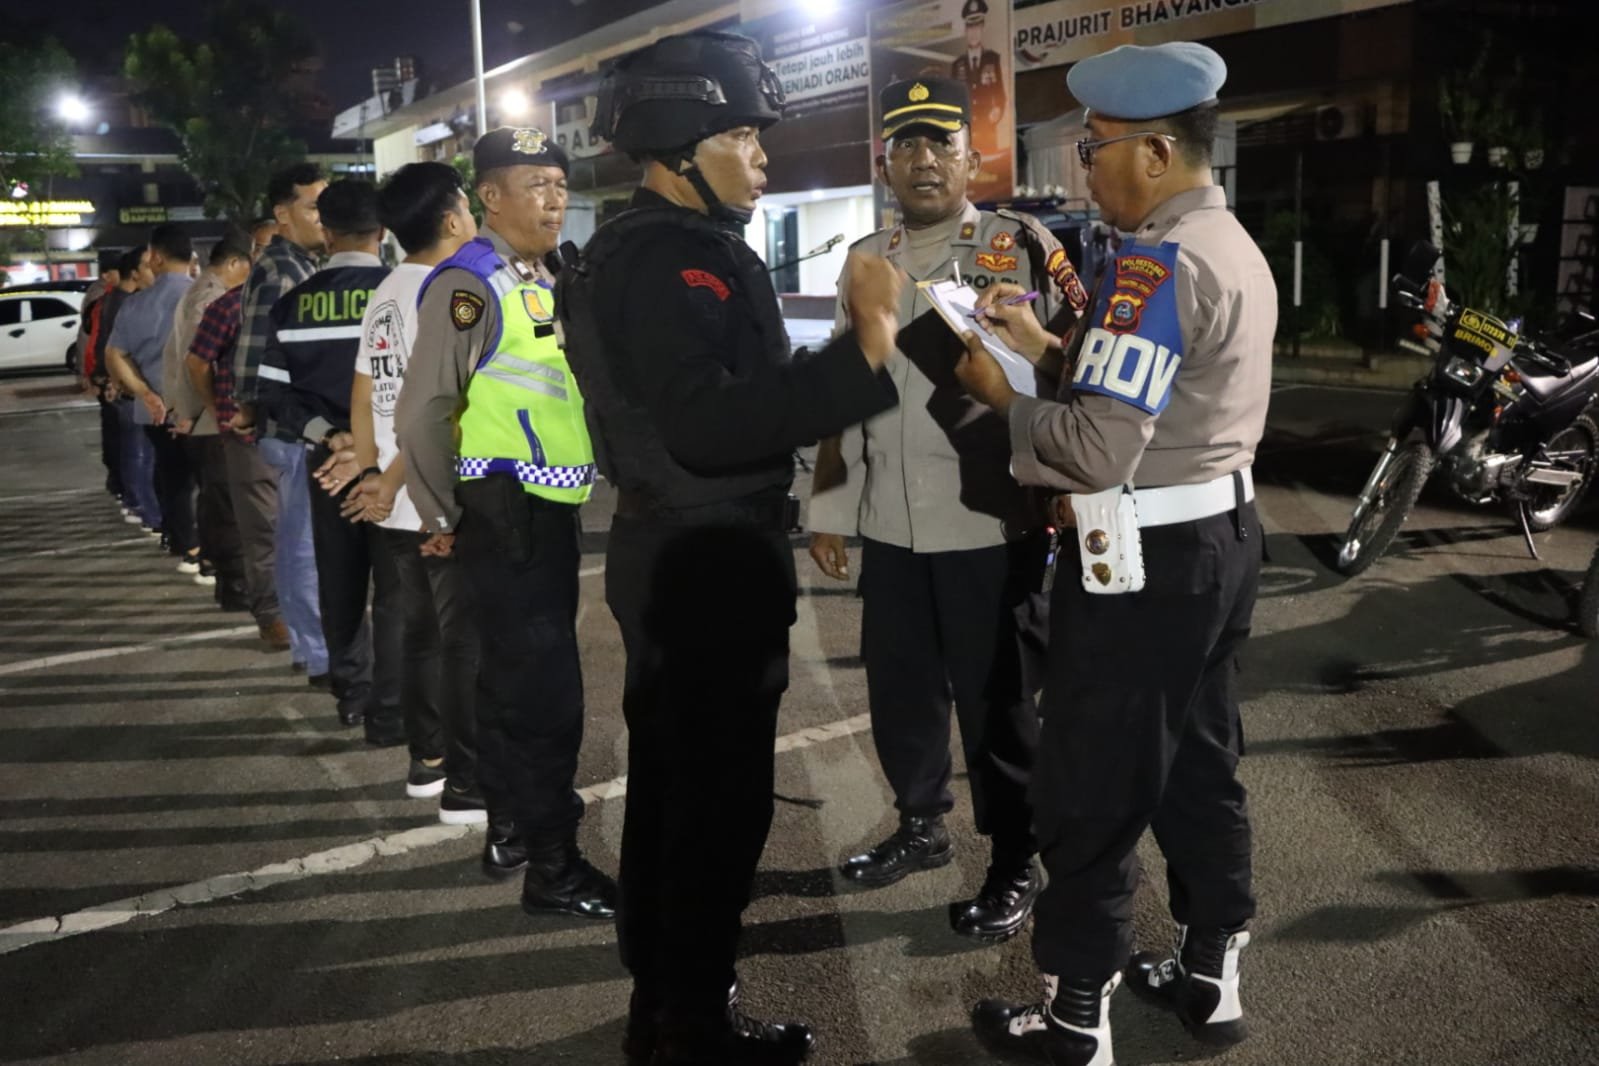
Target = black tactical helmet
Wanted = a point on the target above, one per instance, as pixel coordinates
(680, 90)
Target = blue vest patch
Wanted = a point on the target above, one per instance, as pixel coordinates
(1134, 344)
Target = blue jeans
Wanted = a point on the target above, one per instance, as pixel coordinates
(294, 563)
(138, 467)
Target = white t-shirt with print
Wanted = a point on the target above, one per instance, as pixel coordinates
(387, 332)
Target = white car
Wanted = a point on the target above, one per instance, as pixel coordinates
(38, 327)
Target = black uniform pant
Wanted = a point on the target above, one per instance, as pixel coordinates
(363, 657)
(111, 448)
(1141, 730)
(253, 495)
(174, 489)
(438, 680)
(519, 554)
(214, 520)
(956, 623)
(704, 615)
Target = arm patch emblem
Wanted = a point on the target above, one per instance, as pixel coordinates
(704, 279)
(466, 309)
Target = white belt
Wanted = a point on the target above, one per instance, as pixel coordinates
(1188, 503)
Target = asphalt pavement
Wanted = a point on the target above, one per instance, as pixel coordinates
(202, 867)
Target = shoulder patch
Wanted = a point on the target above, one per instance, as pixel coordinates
(1059, 266)
(1134, 346)
(704, 279)
(466, 309)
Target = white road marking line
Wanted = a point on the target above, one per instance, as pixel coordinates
(592, 571)
(334, 860)
(74, 548)
(29, 496)
(123, 649)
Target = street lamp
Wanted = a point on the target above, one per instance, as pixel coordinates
(72, 109)
(514, 104)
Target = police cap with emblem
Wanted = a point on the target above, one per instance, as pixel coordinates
(942, 103)
(516, 146)
(974, 11)
(1138, 82)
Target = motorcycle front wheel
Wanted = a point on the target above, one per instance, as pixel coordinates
(1576, 448)
(1375, 525)
(1588, 604)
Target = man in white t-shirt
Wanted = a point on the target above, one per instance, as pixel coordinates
(425, 206)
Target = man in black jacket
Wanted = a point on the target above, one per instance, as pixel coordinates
(695, 406)
(306, 372)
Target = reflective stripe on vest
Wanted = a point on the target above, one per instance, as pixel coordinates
(524, 413)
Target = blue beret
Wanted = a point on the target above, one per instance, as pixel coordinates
(1137, 82)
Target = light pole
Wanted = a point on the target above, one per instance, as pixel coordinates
(72, 111)
(477, 67)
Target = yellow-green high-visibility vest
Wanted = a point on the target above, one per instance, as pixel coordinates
(524, 414)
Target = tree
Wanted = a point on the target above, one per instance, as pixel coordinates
(231, 97)
(33, 144)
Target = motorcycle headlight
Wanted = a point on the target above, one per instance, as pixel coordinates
(1464, 371)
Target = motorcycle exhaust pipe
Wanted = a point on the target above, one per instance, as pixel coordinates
(1562, 479)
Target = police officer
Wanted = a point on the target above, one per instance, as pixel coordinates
(1164, 391)
(954, 549)
(672, 326)
(505, 500)
(980, 69)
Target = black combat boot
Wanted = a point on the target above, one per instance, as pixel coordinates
(918, 844)
(1199, 981)
(734, 1039)
(504, 852)
(1003, 905)
(1070, 1027)
(560, 881)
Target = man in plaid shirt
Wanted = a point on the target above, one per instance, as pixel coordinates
(252, 485)
(288, 259)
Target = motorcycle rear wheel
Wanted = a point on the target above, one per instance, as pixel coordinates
(1371, 531)
(1549, 506)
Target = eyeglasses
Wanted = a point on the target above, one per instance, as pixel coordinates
(911, 147)
(1086, 147)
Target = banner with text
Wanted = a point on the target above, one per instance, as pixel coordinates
(922, 38)
(1064, 31)
(821, 59)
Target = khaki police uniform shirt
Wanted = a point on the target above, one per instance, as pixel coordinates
(932, 474)
(445, 354)
(1227, 311)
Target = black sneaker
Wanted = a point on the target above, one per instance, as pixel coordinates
(462, 808)
(424, 781)
(918, 844)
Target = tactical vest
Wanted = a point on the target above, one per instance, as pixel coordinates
(524, 413)
(631, 452)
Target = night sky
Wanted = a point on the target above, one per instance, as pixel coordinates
(353, 35)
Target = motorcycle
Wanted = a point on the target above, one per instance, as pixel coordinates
(1503, 415)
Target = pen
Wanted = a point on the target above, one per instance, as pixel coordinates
(1024, 298)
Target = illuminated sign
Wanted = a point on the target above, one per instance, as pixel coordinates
(46, 212)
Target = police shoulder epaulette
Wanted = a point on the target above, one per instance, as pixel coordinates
(1038, 228)
(869, 237)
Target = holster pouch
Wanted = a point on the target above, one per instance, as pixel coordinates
(499, 502)
(1108, 541)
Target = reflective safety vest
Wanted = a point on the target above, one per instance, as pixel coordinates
(523, 413)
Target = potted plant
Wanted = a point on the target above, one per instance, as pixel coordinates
(1459, 106)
